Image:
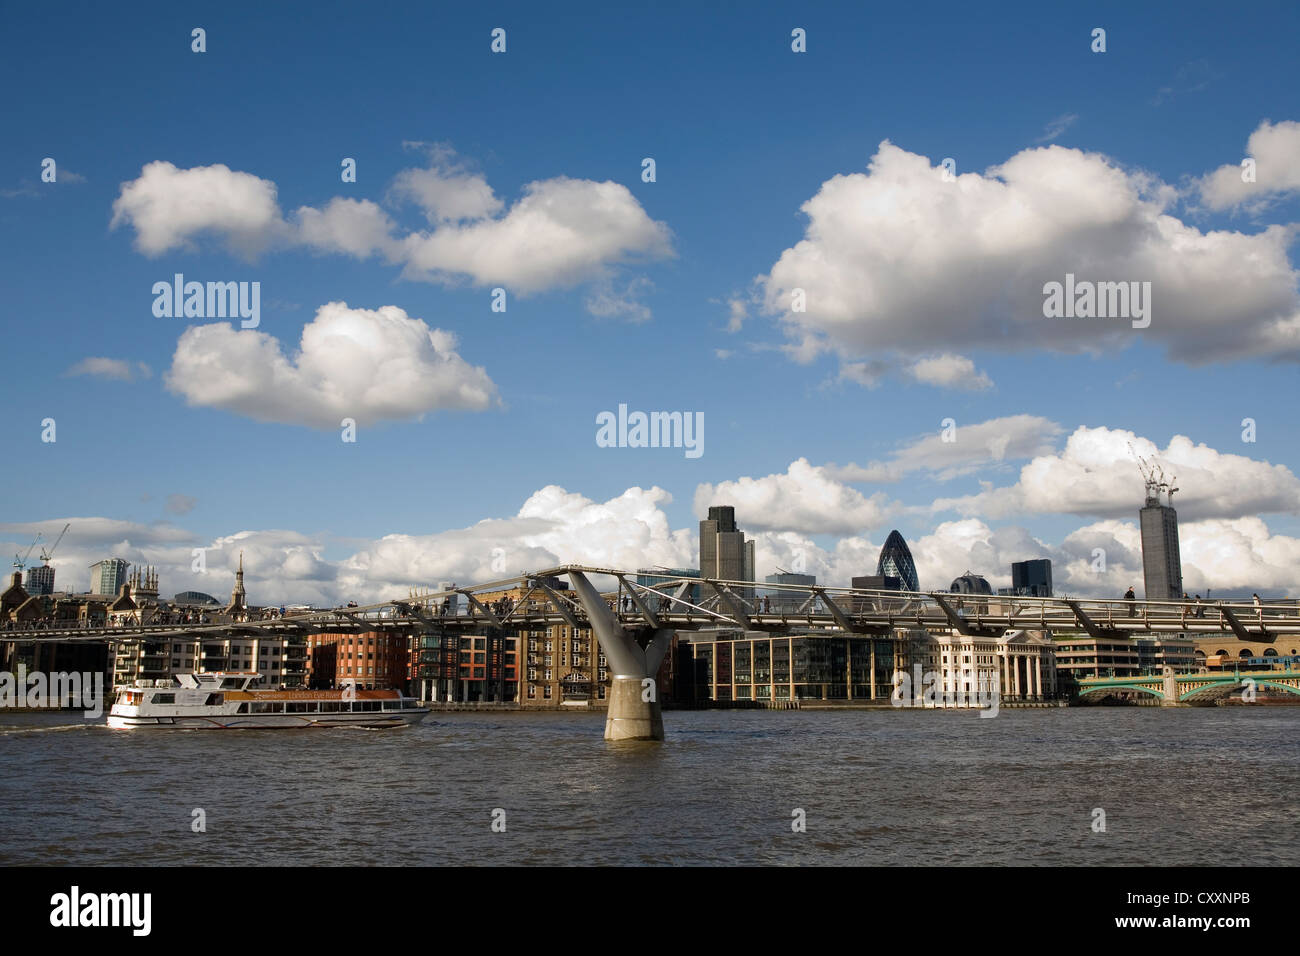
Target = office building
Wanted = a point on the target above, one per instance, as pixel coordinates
(724, 552)
(896, 562)
(1019, 665)
(108, 576)
(762, 667)
(787, 602)
(1162, 568)
(40, 580)
(875, 582)
(453, 600)
(649, 577)
(1032, 578)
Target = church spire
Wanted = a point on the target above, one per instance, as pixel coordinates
(238, 598)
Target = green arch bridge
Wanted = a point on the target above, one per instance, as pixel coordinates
(1174, 689)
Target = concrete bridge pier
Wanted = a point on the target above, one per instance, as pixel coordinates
(1170, 688)
(634, 656)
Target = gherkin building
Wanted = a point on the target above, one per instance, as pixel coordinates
(896, 561)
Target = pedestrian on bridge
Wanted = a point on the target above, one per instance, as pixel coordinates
(1132, 601)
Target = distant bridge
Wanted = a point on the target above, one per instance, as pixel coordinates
(1204, 687)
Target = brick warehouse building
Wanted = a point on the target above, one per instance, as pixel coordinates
(539, 668)
(376, 660)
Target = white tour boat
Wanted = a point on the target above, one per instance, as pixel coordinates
(222, 701)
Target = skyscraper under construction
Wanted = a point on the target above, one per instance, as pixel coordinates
(1162, 567)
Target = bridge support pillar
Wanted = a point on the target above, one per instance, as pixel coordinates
(1171, 689)
(634, 656)
(631, 716)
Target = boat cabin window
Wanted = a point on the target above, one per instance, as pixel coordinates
(214, 700)
(164, 698)
(243, 709)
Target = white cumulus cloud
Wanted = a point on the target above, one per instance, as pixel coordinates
(560, 233)
(1275, 148)
(806, 498)
(168, 207)
(366, 364)
(1097, 474)
(896, 259)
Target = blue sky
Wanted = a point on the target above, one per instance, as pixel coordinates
(743, 132)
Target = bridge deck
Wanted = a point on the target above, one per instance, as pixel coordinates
(730, 605)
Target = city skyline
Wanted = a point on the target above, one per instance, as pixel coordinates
(1006, 434)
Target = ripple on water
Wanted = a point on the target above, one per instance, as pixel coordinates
(911, 788)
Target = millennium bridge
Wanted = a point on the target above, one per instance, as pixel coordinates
(634, 622)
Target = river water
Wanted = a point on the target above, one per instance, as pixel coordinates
(1179, 786)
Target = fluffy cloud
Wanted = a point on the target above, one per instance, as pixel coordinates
(446, 191)
(1275, 147)
(806, 499)
(168, 207)
(354, 227)
(118, 370)
(562, 232)
(1096, 474)
(949, 371)
(896, 259)
(555, 526)
(368, 365)
(974, 447)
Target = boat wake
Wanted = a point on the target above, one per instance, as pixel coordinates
(12, 729)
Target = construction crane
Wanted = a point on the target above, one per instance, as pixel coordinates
(1153, 476)
(21, 563)
(46, 555)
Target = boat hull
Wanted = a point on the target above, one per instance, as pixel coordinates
(365, 721)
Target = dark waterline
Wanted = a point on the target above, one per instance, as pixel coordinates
(1178, 787)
